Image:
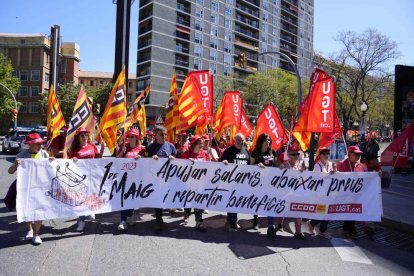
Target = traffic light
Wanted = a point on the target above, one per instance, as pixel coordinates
(14, 114)
(242, 60)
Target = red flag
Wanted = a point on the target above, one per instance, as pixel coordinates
(205, 82)
(318, 113)
(326, 139)
(245, 126)
(397, 153)
(190, 102)
(229, 112)
(269, 122)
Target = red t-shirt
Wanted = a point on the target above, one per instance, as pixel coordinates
(347, 166)
(134, 152)
(89, 151)
(201, 155)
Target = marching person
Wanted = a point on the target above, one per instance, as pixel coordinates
(133, 149)
(236, 154)
(160, 149)
(325, 166)
(195, 153)
(34, 141)
(57, 146)
(182, 145)
(351, 164)
(83, 148)
(149, 139)
(264, 155)
(293, 163)
(212, 153)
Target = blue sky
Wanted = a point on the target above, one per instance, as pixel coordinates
(91, 24)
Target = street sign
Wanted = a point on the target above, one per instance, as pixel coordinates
(159, 120)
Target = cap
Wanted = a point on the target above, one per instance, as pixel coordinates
(206, 137)
(324, 149)
(354, 149)
(34, 138)
(82, 130)
(194, 139)
(150, 133)
(292, 149)
(134, 132)
(183, 133)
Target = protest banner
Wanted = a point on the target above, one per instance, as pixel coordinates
(64, 188)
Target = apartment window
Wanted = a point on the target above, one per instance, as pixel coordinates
(81, 81)
(265, 16)
(24, 76)
(129, 98)
(227, 35)
(35, 75)
(46, 76)
(214, 30)
(274, 42)
(227, 59)
(23, 92)
(197, 64)
(200, 2)
(198, 38)
(199, 25)
(274, 22)
(34, 91)
(229, 2)
(227, 47)
(91, 83)
(274, 31)
(213, 18)
(199, 12)
(275, 10)
(214, 6)
(129, 84)
(265, 5)
(63, 66)
(227, 70)
(264, 27)
(213, 68)
(14, 73)
(228, 12)
(227, 24)
(213, 43)
(198, 51)
(274, 62)
(213, 55)
(23, 108)
(34, 108)
(264, 47)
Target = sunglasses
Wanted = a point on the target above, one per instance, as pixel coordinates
(163, 134)
(130, 137)
(294, 154)
(325, 153)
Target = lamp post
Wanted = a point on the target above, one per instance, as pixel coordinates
(355, 130)
(364, 109)
(15, 103)
(387, 126)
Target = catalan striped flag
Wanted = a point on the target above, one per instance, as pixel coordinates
(81, 117)
(115, 112)
(137, 111)
(172, 116)
(190, 104)
(55, 120)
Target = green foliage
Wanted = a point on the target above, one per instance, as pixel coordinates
(12, 83)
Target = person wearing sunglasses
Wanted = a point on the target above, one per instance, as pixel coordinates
(160, 148)
(351, 164)
(293, 163)
(325, 166)
(264, 156)
(133, 149)
(83, 148)
(195, 153)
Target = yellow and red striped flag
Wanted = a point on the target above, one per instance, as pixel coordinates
(190, 103)
(172, 116)
(81, 117)
(115, 112)
(137, 111)
(55, 120)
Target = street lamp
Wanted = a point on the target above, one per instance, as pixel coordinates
(355, 130)
(387, 126)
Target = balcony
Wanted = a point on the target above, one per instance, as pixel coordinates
(144, 2)
(182, 8)
(247, 33)
(251, 23)
(145, 26)
(247, 10)
(252, 2)
(144, 43)
(290, 20)
(181, 62)
(182, 35)
(246, 45)
(292, 30)
(181, 49)
(142, 57)
(288, 37)
(182, 21)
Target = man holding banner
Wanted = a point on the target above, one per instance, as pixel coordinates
(236, 154)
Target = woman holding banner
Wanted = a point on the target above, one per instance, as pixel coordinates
(325, 166)
(195, 153)
(293, 163)
(83, 148)
(264, 155)
(34, 141)
(133, 149)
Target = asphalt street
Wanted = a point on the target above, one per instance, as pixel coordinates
(182, 250)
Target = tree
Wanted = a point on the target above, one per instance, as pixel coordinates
(11, 82)
(101, 95)
(361, 71)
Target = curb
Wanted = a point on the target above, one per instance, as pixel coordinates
(397, 225)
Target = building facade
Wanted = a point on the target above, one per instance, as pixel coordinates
(183, 35)
(30, 57)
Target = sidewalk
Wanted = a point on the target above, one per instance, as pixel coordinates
(398, 204)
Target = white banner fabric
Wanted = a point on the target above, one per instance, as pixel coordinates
(62, 188)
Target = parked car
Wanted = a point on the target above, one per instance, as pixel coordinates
(13, 141)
